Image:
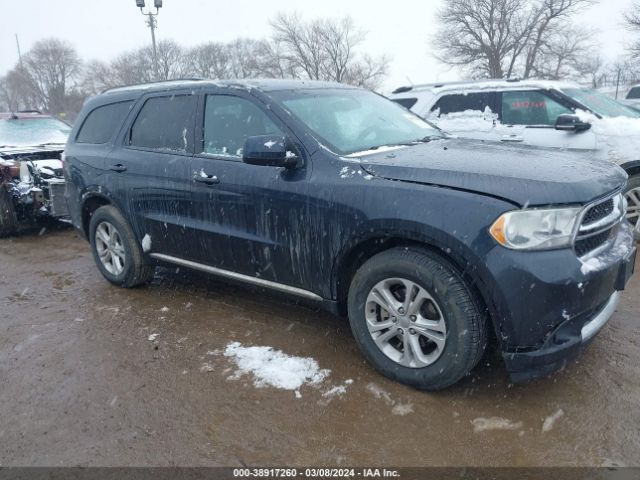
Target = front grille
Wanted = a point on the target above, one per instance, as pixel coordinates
(598, 212)
(589, 244)
(598, 224)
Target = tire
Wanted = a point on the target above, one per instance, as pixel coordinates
(111, 236)
(632, 194)
(8, 218)
(444, 299)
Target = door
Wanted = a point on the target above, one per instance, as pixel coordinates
(468, 115)
(151, 171)
(250, 219)
(528, 117)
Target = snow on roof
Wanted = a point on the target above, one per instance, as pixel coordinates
(478, 85)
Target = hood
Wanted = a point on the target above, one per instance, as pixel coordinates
(520, 174)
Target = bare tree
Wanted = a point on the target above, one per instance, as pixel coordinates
(564, 53)
(501, 38)
(632, 18)
(209, 60)
(49, 70)
(325, 49)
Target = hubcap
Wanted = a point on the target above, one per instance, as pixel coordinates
(405, 322)
(110, 249)
(633, 208)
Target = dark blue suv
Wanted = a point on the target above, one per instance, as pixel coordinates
(341, 197)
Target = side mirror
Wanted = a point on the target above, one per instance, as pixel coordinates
(268, 151)
(571, 123)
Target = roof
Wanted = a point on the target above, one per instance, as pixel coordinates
(265, 85)
(514, 84)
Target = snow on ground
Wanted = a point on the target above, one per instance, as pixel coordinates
(551, 420)
(396, 407)
(153, 337)
(274, 368)
(482, 424)
(338, 390)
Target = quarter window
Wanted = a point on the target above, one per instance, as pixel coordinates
(100, 125)
(165, 123)
(530, 108)
(406, 102)
(634, 93)
(229, 120)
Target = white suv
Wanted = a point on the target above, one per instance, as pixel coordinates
(535, 113)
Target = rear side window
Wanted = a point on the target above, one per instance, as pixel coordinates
(530, 108)
(406, 102)
(101, 124)
(634, 93)
(165, 123)
(463, 102)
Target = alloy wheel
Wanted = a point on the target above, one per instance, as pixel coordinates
(110, 248)
(633, 201)
(405, 322)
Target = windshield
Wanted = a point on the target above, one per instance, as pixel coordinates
(32, 131)
(350, 121)
(599, 103)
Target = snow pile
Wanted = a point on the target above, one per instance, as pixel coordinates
(153, 337)
(618, 137)
(274, 368)
(551, 420)
(494, 423)
(468, 121)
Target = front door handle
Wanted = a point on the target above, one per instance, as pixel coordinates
(118, 168)
(512, 139)
(204, 177)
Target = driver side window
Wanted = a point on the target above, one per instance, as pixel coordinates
(530, 108)
(229, 120)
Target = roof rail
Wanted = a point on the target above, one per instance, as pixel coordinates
(403, 89)
(155, 82)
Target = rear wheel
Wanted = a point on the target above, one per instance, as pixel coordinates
(632, 194)
(8, 218)
(415, 318)
(116, 251)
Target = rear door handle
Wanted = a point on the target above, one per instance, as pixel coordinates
(203, 177)
(118, 168)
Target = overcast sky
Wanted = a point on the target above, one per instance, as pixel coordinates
(102, 29)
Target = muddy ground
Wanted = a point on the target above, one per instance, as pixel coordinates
(82, 384)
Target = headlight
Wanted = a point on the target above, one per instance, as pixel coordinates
(536, 229)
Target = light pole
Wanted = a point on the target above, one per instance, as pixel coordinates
(152, 23)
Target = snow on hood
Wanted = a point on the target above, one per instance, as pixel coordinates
(618, 136)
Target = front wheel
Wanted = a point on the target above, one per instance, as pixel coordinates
(116, 251)
(8, 218)
(632, 194)
(415, 318)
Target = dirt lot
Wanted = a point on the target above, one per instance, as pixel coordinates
(83, 384)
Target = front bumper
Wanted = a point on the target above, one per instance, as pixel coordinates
(564, 345)
(560, 304)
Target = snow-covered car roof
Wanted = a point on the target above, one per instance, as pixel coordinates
(478, 85)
